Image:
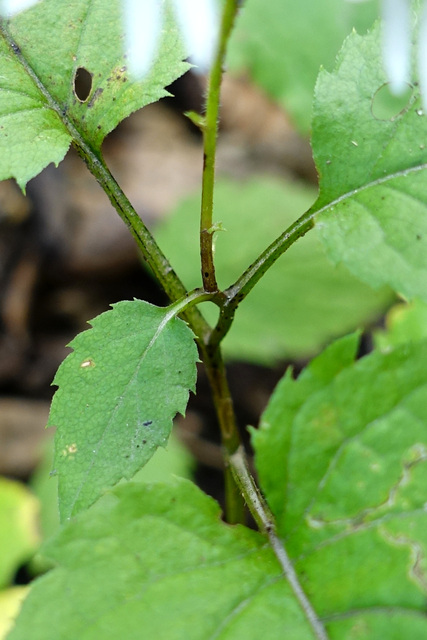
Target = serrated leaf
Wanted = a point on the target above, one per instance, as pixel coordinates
(353, 478)
(373, 194)
(174, 460)
(166, 463)
(276, 440)
(352, 514)
(118, 392)
(19, 537)
(163, 562)
(302, 302)
(56, 39)
(283, 43)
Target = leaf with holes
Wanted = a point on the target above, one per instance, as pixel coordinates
(342, 458)
(64, 78)
(372, 207)
(118, 391)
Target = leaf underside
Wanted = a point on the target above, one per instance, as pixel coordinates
(118, 392)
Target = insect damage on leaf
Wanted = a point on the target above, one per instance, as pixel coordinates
(82, 84)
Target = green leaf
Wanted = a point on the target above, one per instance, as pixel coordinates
(174, 460)
(19, 537)
(404, 323)
(40, 113)
(273, 439)
(353, 473)
(118, 391)
(352, 514)
(158, 558)
(283, 43)
(302, 302)
(44, 486)
(372, 207)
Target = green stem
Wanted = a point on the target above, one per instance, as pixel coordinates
(210, 134)
(216, 373)
(190, 299)
(234, 501)
(230, 437)
(212, 357)
(150, 250)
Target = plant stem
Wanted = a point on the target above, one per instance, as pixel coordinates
(150, 250)
(230, 437)
(210, 134)
(216, 373)
(212, 357)
(235, 506)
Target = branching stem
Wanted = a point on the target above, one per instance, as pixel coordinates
(209, 340)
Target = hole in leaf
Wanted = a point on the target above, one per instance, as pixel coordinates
(387, 106)
(82, 84)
